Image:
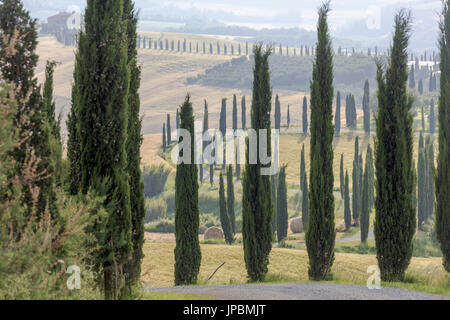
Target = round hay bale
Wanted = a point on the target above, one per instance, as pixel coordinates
(340, 227)
(214, 233)
(296, 225)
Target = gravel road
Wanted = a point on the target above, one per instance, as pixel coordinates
(300, 291)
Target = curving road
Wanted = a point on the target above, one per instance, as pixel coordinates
(300, 291)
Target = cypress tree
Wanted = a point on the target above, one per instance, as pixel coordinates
(224, 217)
(137, 199)
(432, 119)
(305, 203)
(257, 207)
(244, 113)
(274, 185)
(187, 250)
(395, 221)
(423, 119)
(102, 113)
(223, 125)
(235, 113)
(211, 174)
(302, 166)
(366, 107)
(282, 211)
(288, 117)
(371, 175)
(164, 140)
(341, 177)
(230, 199)
(205, 128)
(420, 87)
(169, 131)
(356, 201)
(412, 81)
(337, 118)
(347, 210)
(177, 120)
(365, 208)
(421, 185)
(442, 183)
(429, 175)
(277, 113)
(305, 115)
(320, 235)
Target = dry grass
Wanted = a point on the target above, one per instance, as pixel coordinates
(286, 265)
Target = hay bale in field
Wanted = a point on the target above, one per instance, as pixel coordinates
(296, 225)
(340, 227)
(214, 233)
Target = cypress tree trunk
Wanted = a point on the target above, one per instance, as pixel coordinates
(395, 222)
(187, 250)
(347, 211)
(337, 118)
(320, 235)
(102, 112)
(137, 199)
(224, 217)
(257, 207)
(282, 211)
(230, 199)
(443, 167)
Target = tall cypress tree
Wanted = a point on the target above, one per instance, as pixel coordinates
(277, 113)
(341, 177)
(224, 217)
(187, 250)
(320, 235)
(211, 174)
(244, 113)
(412, 81)
(134, 142)
(102, 113)
(442, 182)
(395, 221)
(366, 107)
(347, 210)
(177, 120)
(356, 201)
(169, 131)
(421, 185)
(432, 118)
(337, 118)
(164, 140)
(288, 116)
(429, 175)
(365, 208)
(274, 182)
(230, 199)
(371, 177)
(305, 115)
(282, 210)
(223, 125)
(235, 113)
(305, 203)
(257, 204)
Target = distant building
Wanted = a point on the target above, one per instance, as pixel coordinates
(64, 26)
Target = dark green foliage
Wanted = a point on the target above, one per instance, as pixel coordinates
(365, 206)
(347, 210)
(320, 235)
(442, 182)
(277, 113)
(421, 185)
(169, 131)
(282, 210)
(154, 179)
(257, 207)
(235, 113)
(134, 141)
(211, 174)
(187, 250)
(230, 199)
(350, 111)
(395, 221)
(371, 176)
(305, 203)
(305, 116)
(337, 118)
(288, 116)
(274, 182)
(244, 113)
(224, 217)
(429, 174)
(164, 139)
(420, 87)
(341, 177)
(356, 182)
(177, 120)
(432, 118)
(366, 107)
(223, 125)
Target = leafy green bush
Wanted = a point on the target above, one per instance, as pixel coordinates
(155, 178)
(362, 248)
(208, 220)
(155, 209)
(161, 226)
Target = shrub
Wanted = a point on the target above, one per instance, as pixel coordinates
(208, 220)
(155, 178)
(161, 226)
(155, 209)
